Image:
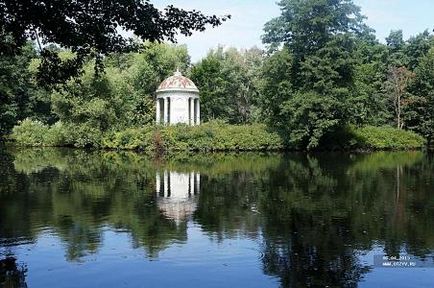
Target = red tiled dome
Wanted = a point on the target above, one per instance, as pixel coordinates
(177, 82)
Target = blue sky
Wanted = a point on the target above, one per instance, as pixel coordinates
(249, 16)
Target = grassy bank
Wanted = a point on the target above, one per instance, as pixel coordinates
(370, 138)
(208, 137)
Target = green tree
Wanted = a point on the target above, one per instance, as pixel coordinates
(320, 36)
(229, 84)
(19, 95)
(276, 86)
(124, 95)
(417, 47)
(91, 28)
(423, 87)
(367, 104)
(396, 46)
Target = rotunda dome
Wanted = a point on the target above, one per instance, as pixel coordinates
(177, 82)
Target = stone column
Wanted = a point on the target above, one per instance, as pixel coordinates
(166, 110)
(197, 111)
(158, 184)
(197, 183)
(166, 184)
(191, 179)
(191, 118)
(158, 112)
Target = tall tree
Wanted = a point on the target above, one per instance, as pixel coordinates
(91, 28)
(277, 86)
(423, 88)
(396, 46)
(367, 104)
(396, 87)
(417, 47)
(229, 84)
(15, 88)
(319, 34)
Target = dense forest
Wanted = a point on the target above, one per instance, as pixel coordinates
(323, 73)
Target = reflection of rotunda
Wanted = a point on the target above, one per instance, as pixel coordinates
(178, 101)
(176, 194)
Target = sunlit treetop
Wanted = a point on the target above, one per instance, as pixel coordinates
(306, 25)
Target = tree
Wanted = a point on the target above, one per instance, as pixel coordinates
(306, 26)
(19, 95)
(90, 28)
(276, 87)
(396, 46)
(319, 34)
(124, 95)
(367, 104)
(309, 116)
(229, 84)
(396, 87)
(417, 47)
(423, 87)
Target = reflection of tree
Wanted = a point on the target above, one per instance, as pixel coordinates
(76, 194)
(317, 213)
(316, 225)
(307, 238)
(11, 275)
(312, 213)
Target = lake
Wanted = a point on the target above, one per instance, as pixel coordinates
(71, 218)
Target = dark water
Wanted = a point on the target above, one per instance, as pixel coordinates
(104, 219)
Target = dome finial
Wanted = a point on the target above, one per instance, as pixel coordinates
(177, 73)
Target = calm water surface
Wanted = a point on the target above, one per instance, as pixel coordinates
(72, 218)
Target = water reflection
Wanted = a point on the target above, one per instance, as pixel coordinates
(11, 274)
(176, 194)
(309, 218)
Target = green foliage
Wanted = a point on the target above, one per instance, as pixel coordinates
(19, 96)
(229, 84)
(324, 70)
(306, 26)
(130, 139)
(35, 133)
(309, 117)
(123, 96)
(385, 138)
(367, 105)
(276, 86)
(215, 136)
(422, 109)
(327, 71)
(90, 30)
(319, 36)
(30, 133)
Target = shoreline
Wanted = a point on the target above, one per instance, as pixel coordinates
(215, 151)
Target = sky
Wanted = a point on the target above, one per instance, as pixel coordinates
(245, 28)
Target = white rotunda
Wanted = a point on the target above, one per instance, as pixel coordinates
(178, 101)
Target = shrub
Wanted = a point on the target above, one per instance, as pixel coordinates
(56, 135)
(217, 136)
(30, 133)
(212, 136)
(129, 139)
(386, 138)
(83, 136)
